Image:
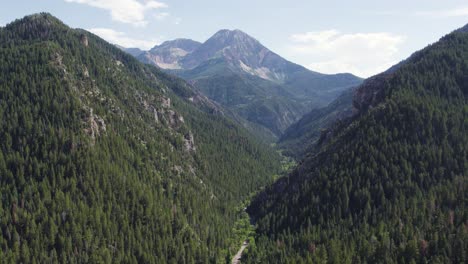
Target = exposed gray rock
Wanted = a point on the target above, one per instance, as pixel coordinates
(371, 92)
(168, 54)
(84, 40)
(156, 118)
(95, 126)
(172, 116)
(85, 72)
(165, 102)
(189, 142)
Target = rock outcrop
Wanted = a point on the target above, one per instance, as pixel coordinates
(95, 126)
(84, 40)
(189, 142)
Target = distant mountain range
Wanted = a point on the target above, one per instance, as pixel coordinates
(237, 71)
(132, 51)
(168, 54)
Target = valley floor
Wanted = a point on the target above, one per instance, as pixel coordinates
(236, 259)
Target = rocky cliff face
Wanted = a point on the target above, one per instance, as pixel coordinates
(168, 54)
(370, 93)
(242, 52)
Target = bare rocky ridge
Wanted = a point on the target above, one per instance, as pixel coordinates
(370, 92)
(238, 72)
(241, 51)
(95, 126)
(168, 54)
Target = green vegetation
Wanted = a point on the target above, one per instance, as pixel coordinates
(301, 137)
(387, 186)
(243, 230)
(256, 100)
(106, 160)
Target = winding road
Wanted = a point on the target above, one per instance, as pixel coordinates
(236, 259)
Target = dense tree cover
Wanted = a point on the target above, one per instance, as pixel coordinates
(390, 185)
(97, 160)
(301, 137)
(256, 100)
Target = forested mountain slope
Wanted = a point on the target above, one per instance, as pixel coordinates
(387, 186)
(106, 160)
(237, 71)
(301, 137)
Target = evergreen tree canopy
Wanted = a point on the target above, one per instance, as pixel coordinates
(106, 160)
(388, 185)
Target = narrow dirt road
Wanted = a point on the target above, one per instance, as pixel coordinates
(237, 257)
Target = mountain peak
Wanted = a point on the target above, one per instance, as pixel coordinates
(40, 26)
(180, 43)
(234, 46)
(228, 37)
(168, 54)
(41, 15)
(230, 32)
(43, 19)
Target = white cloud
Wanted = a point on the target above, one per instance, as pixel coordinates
(456, 12)
(125, 11)
(331, 51)
(120, 38)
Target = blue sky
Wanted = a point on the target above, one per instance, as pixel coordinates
(361, 36)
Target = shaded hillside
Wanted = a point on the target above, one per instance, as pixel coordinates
(319, 124)
(106, 160)
(132, 51)
(388, 185)
(302, 136)
(252, 98)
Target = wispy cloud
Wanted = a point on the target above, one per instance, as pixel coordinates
(125, 11)
(161, 16)
(120, 38)
(455, 12)
(331, 51)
